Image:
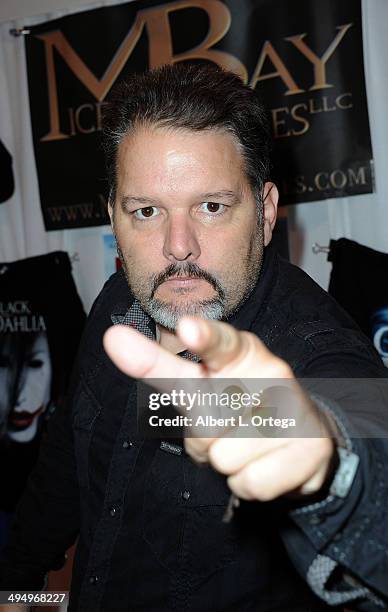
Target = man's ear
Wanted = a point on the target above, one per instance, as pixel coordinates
(270, 203)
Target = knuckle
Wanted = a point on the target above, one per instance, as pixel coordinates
(266, 495)
(250, 481)
(324, 448)
(229, 337)
(196, 448)
(281, 368)
(273, 366)
(219, 459)
(315, 451)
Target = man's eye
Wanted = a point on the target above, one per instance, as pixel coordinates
(213, 208)
(146, 213)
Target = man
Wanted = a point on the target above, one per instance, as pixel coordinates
(192, 209)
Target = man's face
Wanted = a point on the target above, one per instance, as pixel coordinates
(186, 223)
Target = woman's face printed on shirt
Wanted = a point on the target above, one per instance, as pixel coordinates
(25, 381)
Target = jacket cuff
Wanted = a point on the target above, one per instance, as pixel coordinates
(322, 520)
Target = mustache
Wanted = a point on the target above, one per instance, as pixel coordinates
(186, 269)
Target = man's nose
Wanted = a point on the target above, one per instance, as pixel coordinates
(181, 242)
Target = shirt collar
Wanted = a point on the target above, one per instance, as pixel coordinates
(138, 319)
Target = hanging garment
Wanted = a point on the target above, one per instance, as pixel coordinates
(7, 184)
(359, 282)
(41, 320)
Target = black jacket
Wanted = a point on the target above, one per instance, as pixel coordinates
(149, 522)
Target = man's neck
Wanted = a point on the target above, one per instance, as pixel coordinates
(168, 340)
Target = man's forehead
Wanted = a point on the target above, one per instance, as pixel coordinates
(180, 160)
(176, 140)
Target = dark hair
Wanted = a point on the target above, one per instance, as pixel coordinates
(192, 97)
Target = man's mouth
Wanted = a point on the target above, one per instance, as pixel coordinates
(183, 279)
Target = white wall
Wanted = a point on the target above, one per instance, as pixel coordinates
(362, 218)
(23, 9)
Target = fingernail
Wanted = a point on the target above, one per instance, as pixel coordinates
(189, 330)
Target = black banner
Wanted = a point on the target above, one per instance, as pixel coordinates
(305, 57)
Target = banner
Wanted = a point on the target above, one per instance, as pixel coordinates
(304, 57)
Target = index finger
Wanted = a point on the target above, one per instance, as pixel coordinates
(140, 357)
(217, 343)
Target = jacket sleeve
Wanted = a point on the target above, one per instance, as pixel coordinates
(340, 544)
(47, 517)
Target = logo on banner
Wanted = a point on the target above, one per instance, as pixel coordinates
(309, 83)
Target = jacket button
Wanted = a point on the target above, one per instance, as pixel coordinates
(112, 511)
(127, 444)
(93, 579)
(315, 520)
(186, 495)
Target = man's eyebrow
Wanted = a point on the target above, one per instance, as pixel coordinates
(136, 200)
(224, 194)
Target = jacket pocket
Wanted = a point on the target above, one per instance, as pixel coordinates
(182, 517)
(209, 544)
